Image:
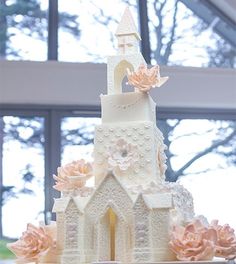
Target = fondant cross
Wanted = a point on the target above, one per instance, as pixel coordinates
(124, 44)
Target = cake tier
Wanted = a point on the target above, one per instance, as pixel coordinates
(126, 107)
(143, 140)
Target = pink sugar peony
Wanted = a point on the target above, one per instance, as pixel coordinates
(73, 175)
(194, 242)
(122, 155)
(226, 240)
(34, 242)
(144, 79)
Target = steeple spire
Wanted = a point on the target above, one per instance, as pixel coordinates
(128, 55)
(127, 25)
(127, 34)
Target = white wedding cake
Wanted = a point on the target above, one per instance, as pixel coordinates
(127, 216)
(131, 215)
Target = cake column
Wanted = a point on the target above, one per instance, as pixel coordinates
(160, 224)
(141, 252)
(73, 245)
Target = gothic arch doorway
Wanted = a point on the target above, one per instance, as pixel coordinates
(120, 73)
(113, 237)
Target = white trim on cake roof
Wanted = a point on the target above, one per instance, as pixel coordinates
(111, 175)
(61, 204)
(127, 25)
(158, 201)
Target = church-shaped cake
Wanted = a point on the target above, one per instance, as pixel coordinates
(131, 214)
(126, 217)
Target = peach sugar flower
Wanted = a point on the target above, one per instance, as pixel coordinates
(144, 79)
(226, 240)
(73, 175)
(193, 242)
(198, 241)
(122, 155)
(34, 242)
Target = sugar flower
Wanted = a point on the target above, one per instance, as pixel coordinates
(122, 155)
(34, 242)
(73, 175)
(193, 242)
(144, 79)
(226, 240)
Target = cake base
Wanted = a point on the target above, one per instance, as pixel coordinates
(170, 262)
(163, 262)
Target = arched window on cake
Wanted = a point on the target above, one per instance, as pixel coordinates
(120, 74)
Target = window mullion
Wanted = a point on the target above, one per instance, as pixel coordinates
(53, 30)
(144, 30)
(52, 156)
(1, 180)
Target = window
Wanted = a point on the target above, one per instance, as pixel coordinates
(201, 156)
(22, 172)
(40, 140)
(94, 23)
(77, 134)
(173, 32)
(180, 37)
(23, 33)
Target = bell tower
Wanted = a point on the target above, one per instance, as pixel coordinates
(128, 55)
(127, 35)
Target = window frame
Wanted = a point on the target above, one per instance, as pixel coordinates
(225, 27)
(52, 128)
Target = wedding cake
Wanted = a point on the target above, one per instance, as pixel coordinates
(127, 216)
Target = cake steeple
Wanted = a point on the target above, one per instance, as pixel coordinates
(128, 54)
(127, 25)
(127, 34)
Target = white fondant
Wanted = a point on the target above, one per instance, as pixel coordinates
(116, 70)
(128, 215)
(127, 25)
(60, 204)
(128, 107)
(141, 134)
(158, 200)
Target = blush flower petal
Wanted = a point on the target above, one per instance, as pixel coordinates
(144, 79)
(34, 242)
(122, 155)
(73, 175)
(194, 242)
(226, 240)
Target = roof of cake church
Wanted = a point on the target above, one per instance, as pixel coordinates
(127, 25)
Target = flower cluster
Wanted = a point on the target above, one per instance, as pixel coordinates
(144, 79)
(122, 155)
(198, 241)
(226, 241)
(73, 175)
(34, 242)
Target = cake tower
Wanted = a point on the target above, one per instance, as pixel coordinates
(126, 216)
